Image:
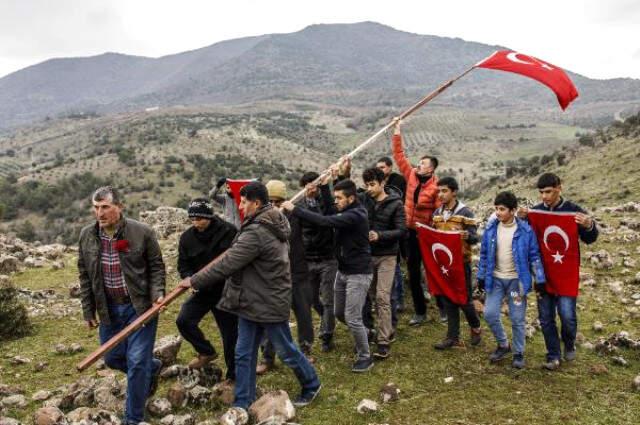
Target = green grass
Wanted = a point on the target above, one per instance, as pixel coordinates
(479, 394)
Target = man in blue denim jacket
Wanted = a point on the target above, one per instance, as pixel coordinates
(509, 259)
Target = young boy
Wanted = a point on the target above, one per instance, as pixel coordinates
(453, 215)
(508, 252)
(550, 189)
(354, 261)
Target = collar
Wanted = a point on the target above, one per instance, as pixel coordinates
(550, 208)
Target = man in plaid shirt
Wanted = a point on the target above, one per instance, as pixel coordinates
(121, 275)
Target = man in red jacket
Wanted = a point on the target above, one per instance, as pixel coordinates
(420, 203)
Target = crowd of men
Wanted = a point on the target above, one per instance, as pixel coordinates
(337, 252)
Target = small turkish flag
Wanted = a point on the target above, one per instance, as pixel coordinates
(235, 186)
(557, 235)
(549, 75)
(444, 264)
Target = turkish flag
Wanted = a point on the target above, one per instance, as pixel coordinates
(444, 264)
(557, 235)
(549, 75)
(234, 187)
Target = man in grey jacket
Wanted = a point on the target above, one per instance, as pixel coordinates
(259, 293)
(121, 275)
(229, 207)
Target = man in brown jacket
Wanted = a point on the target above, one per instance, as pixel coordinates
(259, 293)
(121, 275)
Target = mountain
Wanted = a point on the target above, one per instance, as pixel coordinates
(365, 64)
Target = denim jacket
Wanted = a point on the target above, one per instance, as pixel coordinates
(526, 255)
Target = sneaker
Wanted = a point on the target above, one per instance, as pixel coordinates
(306, 397)
(476, 336)
(327, 344)
(363, 365)
(500, 353)
(551, 364)
(417, 319)
(518, 361)
(153, 387)
(382, 352)
(570, 356)
(263, 367)
(447, 343)
(235, 416)
(202, 360)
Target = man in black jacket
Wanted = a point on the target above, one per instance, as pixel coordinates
(319, 253)
(354, 261)
(387, 228)
(205, 240)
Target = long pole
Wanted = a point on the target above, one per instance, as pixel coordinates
(403, 115)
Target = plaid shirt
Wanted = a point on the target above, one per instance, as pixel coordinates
(112, 277)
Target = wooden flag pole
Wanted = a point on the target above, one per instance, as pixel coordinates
(403, 115)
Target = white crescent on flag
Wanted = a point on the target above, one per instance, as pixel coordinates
(557, 257)
(441, 247)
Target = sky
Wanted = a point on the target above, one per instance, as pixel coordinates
(598, 39)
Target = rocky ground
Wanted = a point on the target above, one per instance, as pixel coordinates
(38, 383)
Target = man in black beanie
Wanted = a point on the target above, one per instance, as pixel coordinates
(205, 240)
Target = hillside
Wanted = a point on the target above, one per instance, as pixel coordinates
(378, 66)
(455, 387)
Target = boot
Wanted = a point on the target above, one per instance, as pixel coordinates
(202, 360)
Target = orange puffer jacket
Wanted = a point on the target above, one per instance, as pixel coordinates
(428, 199)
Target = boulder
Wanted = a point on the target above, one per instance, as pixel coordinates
(166, 221)
(49, 416)
(93, 416)
(224, 392)
(14, 401)
(178, 420)
(173, 371)
(199, 395)
(166, 349)
(234, 416)
(207, 376)
(75, 291)
(19, 360)
(598, 326)
(367, 406)
(6, 390)
(273, 407)
(635, 384)
(159, 407)
(41, 395)
(390, 392)
(8, 264)
(4, 420)
(177, 395)
(598, 369)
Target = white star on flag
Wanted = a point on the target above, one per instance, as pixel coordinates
(444, 270)
(557, 257)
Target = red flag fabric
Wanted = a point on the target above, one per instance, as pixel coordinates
(549, 75)
(444, 264)
(235, 186)
(557, 235)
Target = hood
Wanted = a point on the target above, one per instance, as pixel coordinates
(273, 220)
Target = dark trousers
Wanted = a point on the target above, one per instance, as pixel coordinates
(414, 261)
(302, 295)
(453, 310)
(192, 312)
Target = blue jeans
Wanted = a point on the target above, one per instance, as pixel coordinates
(566, 307)
(133, 356)
(249, 337)
(512, 289)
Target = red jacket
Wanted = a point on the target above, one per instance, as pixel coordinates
(427, 201)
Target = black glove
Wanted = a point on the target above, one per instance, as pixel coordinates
(481, 284)
(221, 182)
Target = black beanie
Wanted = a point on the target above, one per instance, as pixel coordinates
(200, 208)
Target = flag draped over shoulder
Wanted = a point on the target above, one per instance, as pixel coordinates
(557, 235)
(549, 75)
(443, 258)
(235, 186)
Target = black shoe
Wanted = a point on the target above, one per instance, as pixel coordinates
(361, 366)
(382, 352)
(476, 336)
(500, 354)
(153, 387)
(306, 397)
(417, 319)
(327, 344)
(518, 361)
(443, 316)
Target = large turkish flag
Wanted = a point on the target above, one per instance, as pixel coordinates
(549, 75)
(557, 235)
(235, 186)
(444, 264)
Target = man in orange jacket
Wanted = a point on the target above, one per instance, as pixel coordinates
(420, 203)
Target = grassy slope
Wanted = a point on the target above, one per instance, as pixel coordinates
(480, 393)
